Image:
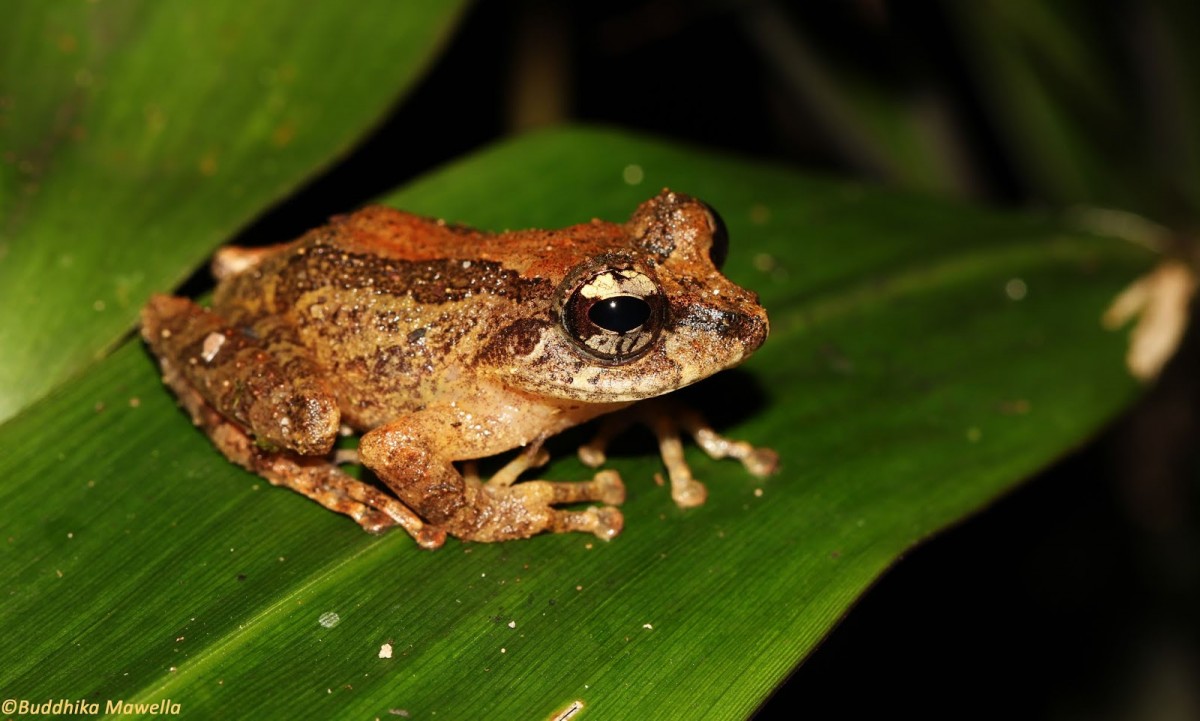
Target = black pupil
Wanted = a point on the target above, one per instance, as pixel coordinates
(620, 314)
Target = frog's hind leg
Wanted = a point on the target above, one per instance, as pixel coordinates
(314, 477)
(323, 482)
(256, 375)
(177, 319)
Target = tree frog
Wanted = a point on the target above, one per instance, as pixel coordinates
(444, 344)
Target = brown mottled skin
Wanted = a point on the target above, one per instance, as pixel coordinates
(447, 344)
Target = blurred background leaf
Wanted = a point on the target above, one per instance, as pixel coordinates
(1052, 102)
(137, 136)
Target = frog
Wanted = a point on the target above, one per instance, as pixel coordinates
(442, 344)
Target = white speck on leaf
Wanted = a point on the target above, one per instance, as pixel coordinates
(329, 619)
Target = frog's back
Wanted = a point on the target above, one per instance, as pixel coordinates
(391, 321)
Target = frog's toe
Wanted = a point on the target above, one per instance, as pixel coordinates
(592, 456)
(372, 521)
(609, 522)
(609, 488)
(688, 492)
(762, 462)
(604, 522)
(429, 537)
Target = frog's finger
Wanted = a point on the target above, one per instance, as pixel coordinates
(757, 461)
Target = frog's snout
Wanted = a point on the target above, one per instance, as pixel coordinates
(747, 329)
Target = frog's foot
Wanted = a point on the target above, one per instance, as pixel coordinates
(508, 508)
(323, 482)
(665, 418)
(501, 513)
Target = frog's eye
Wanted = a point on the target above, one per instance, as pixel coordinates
(720, 237)
(614, 315)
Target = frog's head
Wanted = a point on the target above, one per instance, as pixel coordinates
(649, 313)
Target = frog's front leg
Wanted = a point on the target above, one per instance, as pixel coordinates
(426, 481)
(665, 417)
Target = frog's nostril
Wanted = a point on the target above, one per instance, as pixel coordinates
(751, 330)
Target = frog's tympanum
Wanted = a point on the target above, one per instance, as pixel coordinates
(441, 344)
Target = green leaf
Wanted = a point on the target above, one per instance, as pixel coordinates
(138, 135)
(924, 358)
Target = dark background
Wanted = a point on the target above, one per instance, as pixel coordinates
(1074, 597)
